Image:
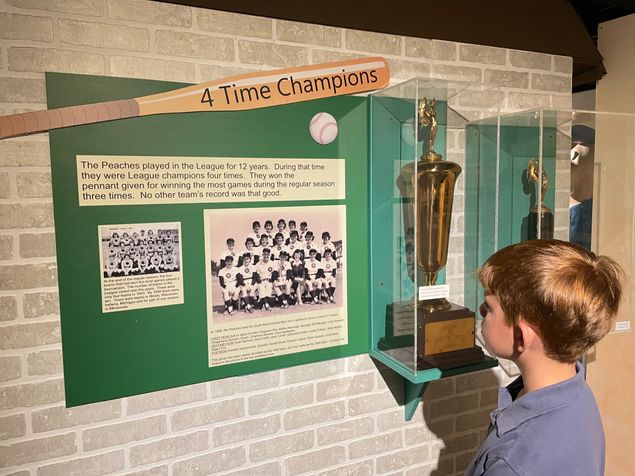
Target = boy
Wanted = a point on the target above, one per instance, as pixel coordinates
(546, 303)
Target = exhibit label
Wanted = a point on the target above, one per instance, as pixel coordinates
(143, 180)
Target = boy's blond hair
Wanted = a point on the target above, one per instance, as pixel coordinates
(567, 294)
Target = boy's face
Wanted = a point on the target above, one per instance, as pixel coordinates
(498, 335)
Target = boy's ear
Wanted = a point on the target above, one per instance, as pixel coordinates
(525, 337)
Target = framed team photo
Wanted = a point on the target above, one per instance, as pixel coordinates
(140, 265)
(273, 275)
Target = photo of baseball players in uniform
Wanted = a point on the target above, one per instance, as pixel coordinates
(133, 250)
(140, 265)
(274, 261)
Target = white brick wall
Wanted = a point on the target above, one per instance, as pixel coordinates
(332, 418)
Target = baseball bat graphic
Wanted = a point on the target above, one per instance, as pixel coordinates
(246, 91)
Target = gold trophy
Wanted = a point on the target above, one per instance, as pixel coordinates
(536, 174)
(445, 331)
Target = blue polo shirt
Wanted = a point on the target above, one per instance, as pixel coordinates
(554, 431)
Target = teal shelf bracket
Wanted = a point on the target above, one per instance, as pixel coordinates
(416, 383)
(413, 393)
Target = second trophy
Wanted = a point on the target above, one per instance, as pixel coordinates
(445, 332)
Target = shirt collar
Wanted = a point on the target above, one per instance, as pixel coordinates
(510, 414)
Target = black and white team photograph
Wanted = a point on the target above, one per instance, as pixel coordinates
(274, 261)
(139, 249)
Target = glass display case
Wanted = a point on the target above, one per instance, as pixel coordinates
(548, 173)
(422, 326)
(452, 181)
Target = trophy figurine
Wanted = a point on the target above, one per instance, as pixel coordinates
(539, 213)
(445, 331)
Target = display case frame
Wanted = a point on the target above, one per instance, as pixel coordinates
(587, 159)
(403, 296)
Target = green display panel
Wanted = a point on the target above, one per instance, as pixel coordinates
(115, 354)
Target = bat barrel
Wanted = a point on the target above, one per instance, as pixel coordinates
(27, 123)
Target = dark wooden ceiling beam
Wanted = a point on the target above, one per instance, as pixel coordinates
(545, 26)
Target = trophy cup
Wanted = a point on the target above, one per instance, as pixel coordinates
(539, 213)
(445, 331)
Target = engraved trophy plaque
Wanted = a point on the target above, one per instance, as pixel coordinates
(445, 331)
(540, 216)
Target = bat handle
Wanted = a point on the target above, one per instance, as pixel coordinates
(42, 121)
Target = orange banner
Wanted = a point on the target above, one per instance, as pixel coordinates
(246, 91)
(272, 88)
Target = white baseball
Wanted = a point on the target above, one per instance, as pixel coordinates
(323, 128)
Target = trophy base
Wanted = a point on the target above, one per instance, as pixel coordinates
(546, 224)
(446, 337)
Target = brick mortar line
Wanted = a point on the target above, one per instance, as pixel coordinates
(36, 320)
(19, 260)
(14, 170)
(29, 261)
(169, 461)
(40, 137)
(21, 317)
(6, 8)
(104, 18)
